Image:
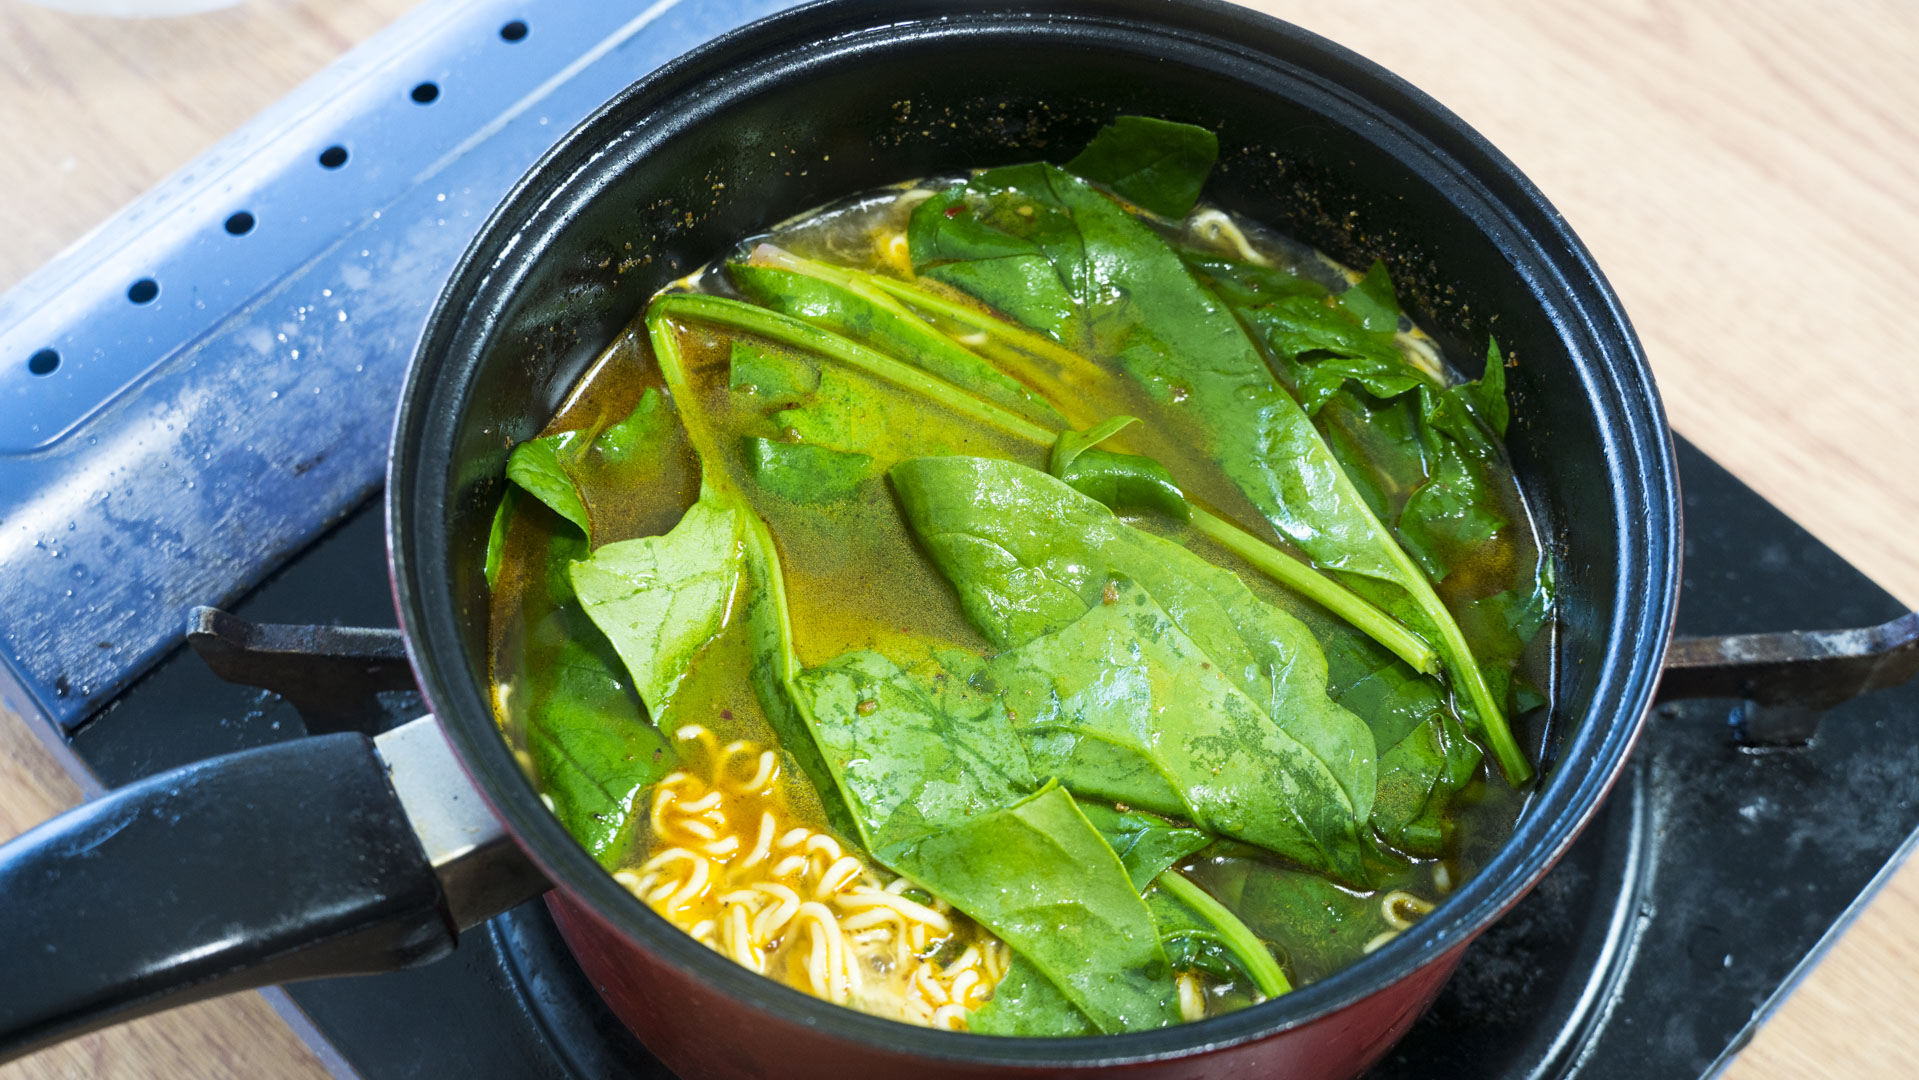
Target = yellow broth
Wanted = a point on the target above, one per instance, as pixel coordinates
(856, 579)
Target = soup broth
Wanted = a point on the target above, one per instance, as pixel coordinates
(1031, 602)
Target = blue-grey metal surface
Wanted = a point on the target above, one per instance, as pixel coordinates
(183, 446)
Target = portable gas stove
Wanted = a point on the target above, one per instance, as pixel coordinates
(196, 403)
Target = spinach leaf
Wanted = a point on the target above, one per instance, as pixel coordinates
(1029, 556)
(843, 415)
(1372, 302)
(1040, 360)
(769, 625)
(1128, 295)
(1026, 1002)
(1453, 513)
(1121, 705)
(1319, 926)
(1069, 445)
(1127, 483)
(1243, 284)
(541, 468)
(775, 668)
(1156, 165)
(905, 765)
(659, 599)
(496, 537)
(768, 375)
(1418, 777)
(1145, 844)
(1187, 915)
(799, 334)
(591, 746)
(875, 319)
(938, 788)
(1037, 874)
(805, 474)
(641, 430)
(550, 467)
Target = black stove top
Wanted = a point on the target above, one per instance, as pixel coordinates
(1713, 877)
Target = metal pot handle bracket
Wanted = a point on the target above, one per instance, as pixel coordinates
(334, 854)
(1786, 681)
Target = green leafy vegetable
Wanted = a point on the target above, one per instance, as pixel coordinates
(1027, 1003)
(540, 467)
(775, 669)
(1115, 282)
(1121, 705)
(1071, 444)
(659, 599)
(805, 474)
(593, 749)
(736, 315)
(1037, 874)
(906, 766)
(1145, 844)
(496, 537)
(838, 415)
(1126, 483)
(937, 785)
(1184, 911)
(1030, 557)
(642, 429)
(551, 466)
(871, 317)
(1320, 926)
(1157, 165)
(1040, 359)
(772, 377)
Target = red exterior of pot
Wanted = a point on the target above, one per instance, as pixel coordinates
(703, 1034)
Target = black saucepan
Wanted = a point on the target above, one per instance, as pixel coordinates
(330, 855)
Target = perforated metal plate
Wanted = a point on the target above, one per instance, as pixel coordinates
(201, 386)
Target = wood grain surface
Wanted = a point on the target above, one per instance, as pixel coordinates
(1746, 173)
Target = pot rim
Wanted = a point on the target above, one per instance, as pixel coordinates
(1638, 453)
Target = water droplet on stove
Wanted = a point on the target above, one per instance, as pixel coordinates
(274, 396)
(326, 292)
(293, 354)
(70, 526)
(342, 314)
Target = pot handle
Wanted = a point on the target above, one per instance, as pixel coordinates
(327, 855)
(1787, 680)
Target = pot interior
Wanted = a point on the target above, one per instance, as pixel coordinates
(830, 100)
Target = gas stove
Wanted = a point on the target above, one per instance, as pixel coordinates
(196, 405)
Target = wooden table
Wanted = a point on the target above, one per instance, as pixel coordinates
(1747, 173)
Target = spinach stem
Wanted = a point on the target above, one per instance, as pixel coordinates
(1252, 954)
(1464, 669)
(897, 293)
(1321, 589)
(739, 315)
(1288, 571)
